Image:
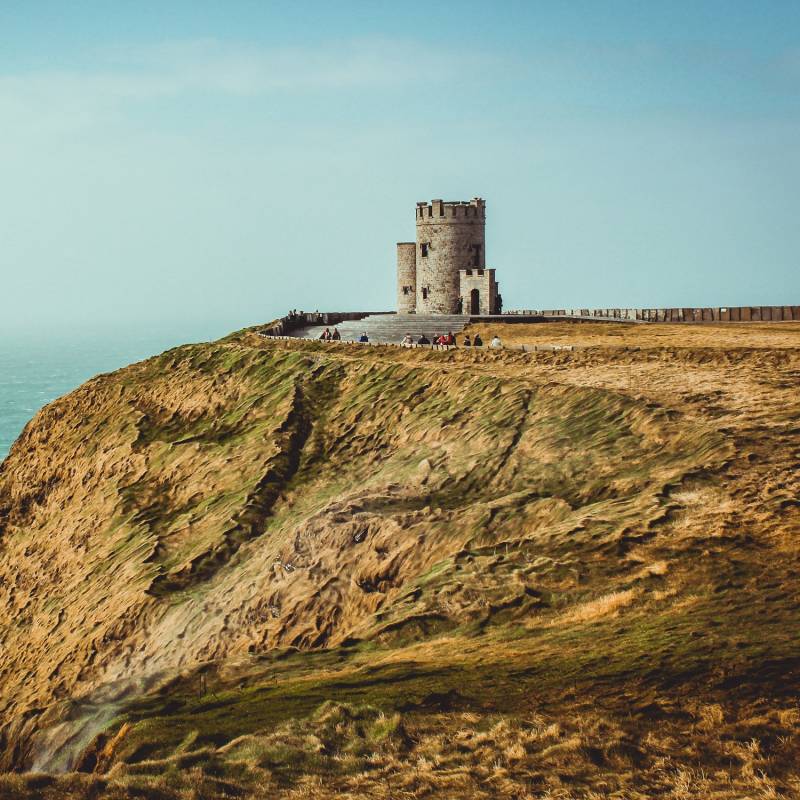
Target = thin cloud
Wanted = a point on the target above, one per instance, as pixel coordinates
(241, 69)
(66, 100)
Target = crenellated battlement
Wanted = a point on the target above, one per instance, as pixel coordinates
(438, 211)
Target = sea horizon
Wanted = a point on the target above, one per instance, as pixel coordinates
(38, 367)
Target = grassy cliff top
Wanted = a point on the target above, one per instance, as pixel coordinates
(294, 567)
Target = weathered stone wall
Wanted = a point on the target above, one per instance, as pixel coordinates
(450, 237)
(482, 281)
(302, 319)
(406, 277)
(703, 314)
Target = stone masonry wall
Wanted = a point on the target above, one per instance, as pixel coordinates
(406, 277)
(694, 314)
(302, 319)
(450, 236)
(482, 280)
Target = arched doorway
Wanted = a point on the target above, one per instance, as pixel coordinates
(475, 301)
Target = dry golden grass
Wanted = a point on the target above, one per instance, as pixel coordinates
(605, 606)
(767, 335)
(606, 609)
(585, 754)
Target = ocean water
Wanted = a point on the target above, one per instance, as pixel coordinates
(34, 370)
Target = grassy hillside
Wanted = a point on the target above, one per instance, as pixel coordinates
(306, 570)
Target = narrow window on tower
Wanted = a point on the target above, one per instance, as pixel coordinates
(476, 255)
(424, 294)
(423, 249)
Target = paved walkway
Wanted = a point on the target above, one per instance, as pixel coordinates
(391, 328)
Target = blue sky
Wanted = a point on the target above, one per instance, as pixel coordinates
(222, 162)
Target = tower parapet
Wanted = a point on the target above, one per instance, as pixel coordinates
(458, 210)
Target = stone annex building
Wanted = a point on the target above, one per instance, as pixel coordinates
(444, 271)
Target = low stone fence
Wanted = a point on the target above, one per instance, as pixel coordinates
(716, 314)
(303, 319)
(526, 348)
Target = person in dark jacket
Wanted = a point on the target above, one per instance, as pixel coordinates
(423, 339)
(364, 337)
(467, 342)
(477, 342)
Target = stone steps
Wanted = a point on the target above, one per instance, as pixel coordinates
(391, 328)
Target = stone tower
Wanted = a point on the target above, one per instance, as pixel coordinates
(406, 277)
(451, 247)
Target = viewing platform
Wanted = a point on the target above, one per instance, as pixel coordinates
(391, 328)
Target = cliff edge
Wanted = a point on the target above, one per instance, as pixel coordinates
(214, 543)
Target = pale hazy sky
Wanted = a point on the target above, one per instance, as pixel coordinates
(223, 161)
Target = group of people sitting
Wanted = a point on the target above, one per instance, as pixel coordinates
(445, 339)
(327, 336)
(450, 340)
